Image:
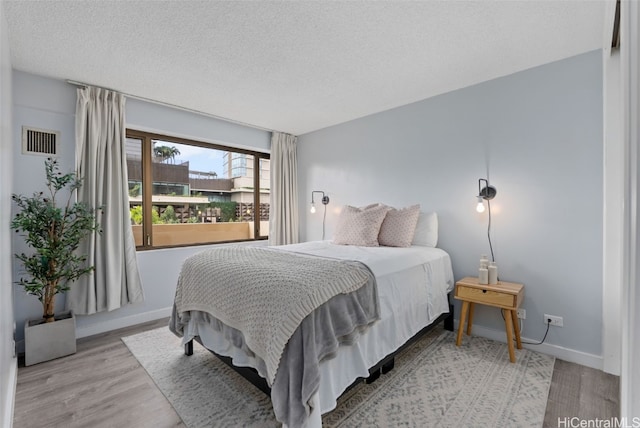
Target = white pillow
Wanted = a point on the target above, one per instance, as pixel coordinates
(359, 226)
(426, 234)
(399, 226)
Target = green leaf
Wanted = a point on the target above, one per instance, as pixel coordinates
(53, 232)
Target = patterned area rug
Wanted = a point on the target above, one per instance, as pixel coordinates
(434, 384)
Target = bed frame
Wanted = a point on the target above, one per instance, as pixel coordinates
(384, 366)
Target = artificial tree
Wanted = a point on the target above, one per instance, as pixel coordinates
(54, 233)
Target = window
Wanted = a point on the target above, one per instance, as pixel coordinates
(184, 192)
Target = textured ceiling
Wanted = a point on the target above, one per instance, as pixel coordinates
(295, 66)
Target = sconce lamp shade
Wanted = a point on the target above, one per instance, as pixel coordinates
(488, 192)
(484, 193)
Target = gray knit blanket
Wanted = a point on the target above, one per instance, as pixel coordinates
(263, 292)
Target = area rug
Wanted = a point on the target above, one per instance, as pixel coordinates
(434, 384)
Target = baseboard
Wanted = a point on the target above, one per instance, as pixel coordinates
(116, 323)
(6, 412)
(566, 354)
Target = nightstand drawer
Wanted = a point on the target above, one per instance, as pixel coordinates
(480, 295)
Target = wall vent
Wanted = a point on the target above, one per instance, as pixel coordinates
(40, 141)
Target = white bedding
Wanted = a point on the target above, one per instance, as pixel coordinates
(413, 284)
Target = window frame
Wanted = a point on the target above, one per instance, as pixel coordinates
(146, 138)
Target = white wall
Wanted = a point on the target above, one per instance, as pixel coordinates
(630, 111)
(537, 135)
(621, 291)
(616, 176)
(615, 183)
(8, 363)
(50, 104)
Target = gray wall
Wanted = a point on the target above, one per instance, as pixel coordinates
(8, 364)
(537, 135)
(50, 104)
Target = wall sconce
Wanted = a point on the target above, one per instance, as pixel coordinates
(487, 192)
(325, 200)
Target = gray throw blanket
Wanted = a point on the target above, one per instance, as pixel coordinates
(263, 292)
(338, 321)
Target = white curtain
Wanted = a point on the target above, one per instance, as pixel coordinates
(101, 162)
(283, 221)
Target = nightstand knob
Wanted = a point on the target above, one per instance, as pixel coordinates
(484, 291)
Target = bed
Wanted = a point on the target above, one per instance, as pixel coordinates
(305, 322)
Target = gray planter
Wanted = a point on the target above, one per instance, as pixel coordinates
(47, 341)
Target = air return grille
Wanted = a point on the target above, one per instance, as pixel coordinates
(40, 141)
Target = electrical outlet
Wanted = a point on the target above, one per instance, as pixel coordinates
(553, 320)
(522, 314)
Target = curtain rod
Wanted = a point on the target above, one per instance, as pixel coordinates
(162, 103)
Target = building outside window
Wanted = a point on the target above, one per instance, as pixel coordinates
(184, 192)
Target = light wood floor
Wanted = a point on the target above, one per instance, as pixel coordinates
(102, 385)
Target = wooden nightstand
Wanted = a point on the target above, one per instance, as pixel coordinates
(504, 295)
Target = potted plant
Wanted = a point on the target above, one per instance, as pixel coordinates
(54, 232)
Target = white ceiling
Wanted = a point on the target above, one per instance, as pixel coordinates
(295, 66)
